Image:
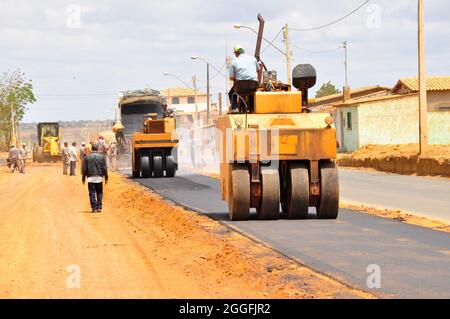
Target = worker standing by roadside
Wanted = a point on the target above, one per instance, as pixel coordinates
(82, 156)
(65, 157)
(14, 158)
(73, 154)
(95, 170)
(113, 156)
(102, 147)
(23, 156)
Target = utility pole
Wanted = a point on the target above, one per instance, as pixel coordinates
(208, 102)
(345, 62)
(423, 108)
(288, 53)
(220, 103)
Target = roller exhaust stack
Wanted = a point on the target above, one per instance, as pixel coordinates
(304, 77)
(260, 37)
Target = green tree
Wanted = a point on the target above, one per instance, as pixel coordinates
(327, 89)
(15, 93)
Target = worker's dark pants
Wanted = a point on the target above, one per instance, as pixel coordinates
(95, 195)
(73, 166)
(242, 88)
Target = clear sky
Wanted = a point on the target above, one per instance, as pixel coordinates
(80, 62)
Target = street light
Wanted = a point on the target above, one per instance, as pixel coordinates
(239, 26)
(208, 102)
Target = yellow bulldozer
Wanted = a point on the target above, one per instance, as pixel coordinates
(48, 148)
(274, 151)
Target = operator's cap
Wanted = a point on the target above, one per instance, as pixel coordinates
(83, 143)
(163, 101)
(238, 49)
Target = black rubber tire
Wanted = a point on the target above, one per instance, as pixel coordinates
(328, 205)
(296, 201)
(269, 208)
(239, 193)
(40, 155)
(136, 174)
(145, 167)
(170, 166)
(158, 170)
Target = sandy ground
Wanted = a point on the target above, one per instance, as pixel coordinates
(374, 151)
(139, 247)
(401, 159)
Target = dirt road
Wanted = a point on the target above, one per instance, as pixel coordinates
(139, 247)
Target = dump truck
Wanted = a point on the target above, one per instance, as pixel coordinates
(152, 136)
(48, 147)
(276, 152)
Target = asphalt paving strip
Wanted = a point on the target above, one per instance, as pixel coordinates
(414, 261)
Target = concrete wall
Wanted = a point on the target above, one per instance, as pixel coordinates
(392, 121)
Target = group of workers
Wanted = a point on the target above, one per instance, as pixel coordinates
(17, 157)
(95, 158)
(71, 155)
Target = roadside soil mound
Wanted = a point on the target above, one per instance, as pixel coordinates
(401, 159)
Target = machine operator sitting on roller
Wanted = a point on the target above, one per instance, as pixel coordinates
(245, 72)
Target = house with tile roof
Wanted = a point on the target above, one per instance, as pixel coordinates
(183, 100)
(394, 118)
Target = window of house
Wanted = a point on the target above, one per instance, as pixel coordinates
(349, 121)
(191, 100)
(175, 100)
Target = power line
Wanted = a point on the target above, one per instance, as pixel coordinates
(333, 22)
(271, 42)
(317, 51)
(219, 71)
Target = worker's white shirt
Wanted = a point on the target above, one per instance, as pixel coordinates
(73, 154)
(95, 179)
(244, 67)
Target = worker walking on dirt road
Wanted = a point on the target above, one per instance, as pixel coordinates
(95, 170)
(82, 156)
(23, 156)
(14, 161)
(112, 153)
(73, 154)
(65, 157)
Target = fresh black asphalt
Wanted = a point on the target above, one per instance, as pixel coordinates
(414, 261)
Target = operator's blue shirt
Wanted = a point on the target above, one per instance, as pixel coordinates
(244, 67)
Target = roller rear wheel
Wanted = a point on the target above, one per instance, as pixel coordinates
(170, 166)
(269, 208)
(239, 193)
(145, 167)
(158, 170)
(296, 196)
(328, 206)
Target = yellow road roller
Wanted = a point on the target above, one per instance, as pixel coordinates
(274, 152)
(154, 148)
